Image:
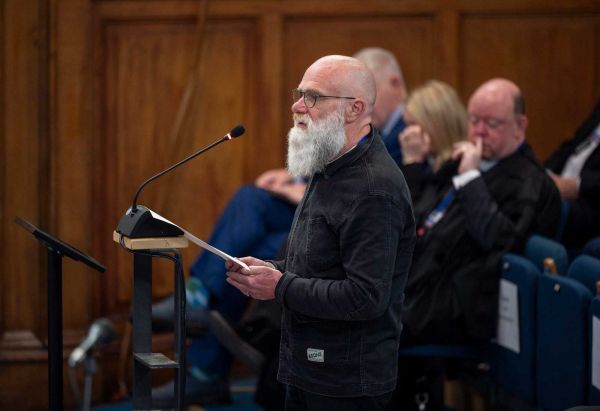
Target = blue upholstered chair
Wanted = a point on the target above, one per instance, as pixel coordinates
(466, 352)
(562, 342)
(538, 248)
(515, 371)
(586, 270)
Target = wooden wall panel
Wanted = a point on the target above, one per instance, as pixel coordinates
(24, 148)
(90, 90)
(143, 77)
(553, 58)
(307, 39)
(71, 157)
(21, 168)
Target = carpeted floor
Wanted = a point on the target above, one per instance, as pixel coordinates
(242, 393)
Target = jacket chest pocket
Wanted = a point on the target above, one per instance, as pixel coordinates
(322, 245)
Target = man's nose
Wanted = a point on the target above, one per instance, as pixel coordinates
(298, 106)
(480, 128)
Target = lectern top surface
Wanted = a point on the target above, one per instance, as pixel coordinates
(60, 246)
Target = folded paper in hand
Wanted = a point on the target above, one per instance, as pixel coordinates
(203, 244)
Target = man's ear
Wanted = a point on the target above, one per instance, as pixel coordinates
(522, 123)
(355, 110)
(395, 81)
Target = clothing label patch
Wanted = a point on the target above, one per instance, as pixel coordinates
(315, 355)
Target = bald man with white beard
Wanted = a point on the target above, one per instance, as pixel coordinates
(256, 221)
(341, 284)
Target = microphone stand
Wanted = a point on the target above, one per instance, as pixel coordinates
(89, 371)
(141, 222)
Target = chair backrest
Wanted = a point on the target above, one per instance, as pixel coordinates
(562, 342)
(538, 248)
(594, 359)
(512, 357)
(477, 351)
(592, 247)
(586, 270)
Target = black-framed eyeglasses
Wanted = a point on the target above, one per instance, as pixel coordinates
(310, 97)
(490, 122)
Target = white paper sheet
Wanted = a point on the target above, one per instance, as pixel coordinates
(212, 249)
(202, 243)
(508, 316)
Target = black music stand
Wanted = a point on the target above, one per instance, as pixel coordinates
(56, 249)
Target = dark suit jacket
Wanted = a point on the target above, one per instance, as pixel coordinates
(452, 289)
(391, 141)
(583, 221)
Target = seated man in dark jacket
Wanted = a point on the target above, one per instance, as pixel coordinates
(575, 170)
(494, 195)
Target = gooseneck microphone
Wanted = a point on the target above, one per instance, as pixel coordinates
(235, 132)
(140, 222)
(101, 332)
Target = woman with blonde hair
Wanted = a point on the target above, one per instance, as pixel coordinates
(436, 119)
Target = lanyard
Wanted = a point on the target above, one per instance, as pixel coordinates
(438, 213)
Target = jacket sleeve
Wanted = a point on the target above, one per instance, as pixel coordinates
(589, 188)
(370, 238)
(558, 158)
(278, 264)
(532, 205)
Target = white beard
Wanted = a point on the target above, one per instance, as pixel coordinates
(310, 150)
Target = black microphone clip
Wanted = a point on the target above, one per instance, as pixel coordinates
(141, 222)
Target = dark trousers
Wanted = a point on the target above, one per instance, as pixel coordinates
(300, 400)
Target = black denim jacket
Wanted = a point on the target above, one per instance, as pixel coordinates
(349, 253)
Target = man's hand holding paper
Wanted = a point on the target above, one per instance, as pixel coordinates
(257, 281)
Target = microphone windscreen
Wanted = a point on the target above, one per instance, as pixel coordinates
(106, 330)
(237, 131)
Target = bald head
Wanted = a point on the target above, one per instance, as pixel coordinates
(345, 84)
(391, 89)
(503, 91)
(346, 76)
(497, 116)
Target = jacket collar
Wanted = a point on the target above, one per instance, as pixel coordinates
(351, 156)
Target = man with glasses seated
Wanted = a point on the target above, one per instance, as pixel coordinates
(256, 221)
(494, 197)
